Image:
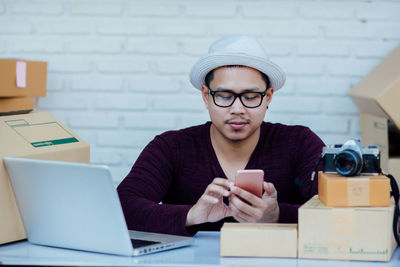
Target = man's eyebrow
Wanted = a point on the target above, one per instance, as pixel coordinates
(251, 89)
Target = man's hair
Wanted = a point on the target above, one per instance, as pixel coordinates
(210, 76)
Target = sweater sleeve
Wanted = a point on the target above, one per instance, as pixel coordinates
(307, 146)
(145, 186)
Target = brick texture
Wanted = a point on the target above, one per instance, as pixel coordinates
(2, 8)
(118, 69)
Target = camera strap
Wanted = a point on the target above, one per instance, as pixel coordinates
(395, 194)
(316, 166)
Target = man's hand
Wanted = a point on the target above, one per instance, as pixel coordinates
(210, 207)
(246, 207)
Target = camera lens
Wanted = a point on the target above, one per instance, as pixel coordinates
(348, 163)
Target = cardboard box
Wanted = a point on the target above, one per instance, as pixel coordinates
(22, 78)
(259, 240)
(39, 136)
(378, 131)
(377, 96)
(394, 169)
(335, 190)
(378, 93)
(363, 233)
(13, 104)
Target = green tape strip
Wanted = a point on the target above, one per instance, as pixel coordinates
(55, 142)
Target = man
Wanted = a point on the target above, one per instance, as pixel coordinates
(191, 171)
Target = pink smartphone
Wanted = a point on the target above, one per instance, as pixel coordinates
(251, 181)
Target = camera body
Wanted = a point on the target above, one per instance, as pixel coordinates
(351, 159)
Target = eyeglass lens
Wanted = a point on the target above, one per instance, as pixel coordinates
(248, 99)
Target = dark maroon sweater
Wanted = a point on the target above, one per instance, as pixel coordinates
(176, 167)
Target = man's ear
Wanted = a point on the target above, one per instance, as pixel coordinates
(270, 92)
(204, 94)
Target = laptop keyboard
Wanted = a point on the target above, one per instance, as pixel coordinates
(137, 243)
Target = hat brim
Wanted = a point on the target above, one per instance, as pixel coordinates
(207, 63)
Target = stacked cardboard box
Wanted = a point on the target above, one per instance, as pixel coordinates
(20, 82)
(335, 190)
(323, 232)
(357, 233)
(378, 97)
(350, 219)
(39, 136)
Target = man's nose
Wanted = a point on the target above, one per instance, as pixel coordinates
(237, 107)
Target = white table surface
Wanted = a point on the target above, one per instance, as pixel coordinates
(204, 252)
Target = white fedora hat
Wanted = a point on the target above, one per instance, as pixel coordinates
(237, 50)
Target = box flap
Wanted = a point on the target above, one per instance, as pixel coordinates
(381, 86)
(35, 134)
(369, 105)
(389, 101)
(315, 203)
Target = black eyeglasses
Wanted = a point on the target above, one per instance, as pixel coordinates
(226, 98)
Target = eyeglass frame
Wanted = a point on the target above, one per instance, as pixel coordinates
(235, 95)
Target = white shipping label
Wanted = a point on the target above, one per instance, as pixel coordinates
(21, 74)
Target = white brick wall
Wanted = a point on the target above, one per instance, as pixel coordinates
(29, 7)
(118, 70)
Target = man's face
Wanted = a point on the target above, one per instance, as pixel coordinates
(236, 122)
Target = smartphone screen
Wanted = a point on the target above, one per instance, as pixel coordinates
(251, 181)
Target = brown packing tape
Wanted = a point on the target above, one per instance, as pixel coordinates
(358, 193)
(343, 222)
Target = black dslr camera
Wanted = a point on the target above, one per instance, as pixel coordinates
(351, 159)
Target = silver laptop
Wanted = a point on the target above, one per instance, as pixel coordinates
(75, 205)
